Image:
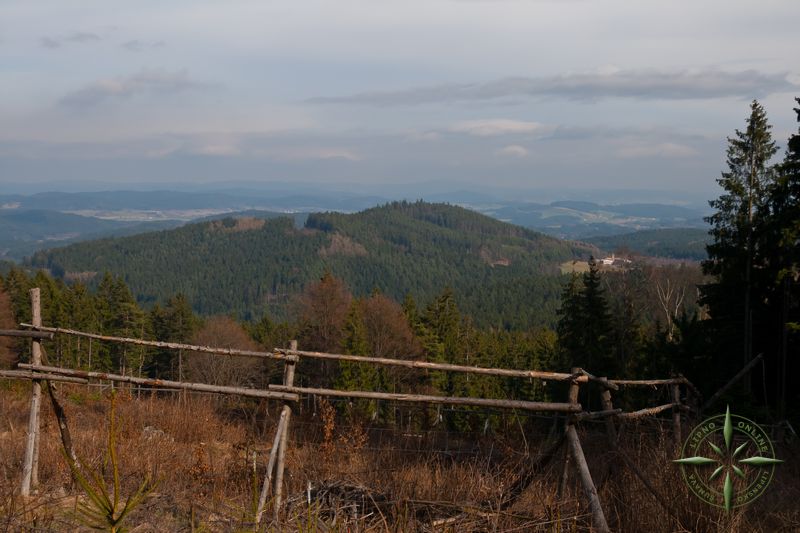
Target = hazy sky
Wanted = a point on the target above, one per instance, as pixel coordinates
(513, 93)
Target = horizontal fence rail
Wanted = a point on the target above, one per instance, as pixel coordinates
(29, 374)
(26, 334)
(447, 400)
(161, 344)
(505, 372)
(200, 387)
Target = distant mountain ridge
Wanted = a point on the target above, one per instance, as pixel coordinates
(135, 211)
(502, 274)
(569, 219)
(24, 231)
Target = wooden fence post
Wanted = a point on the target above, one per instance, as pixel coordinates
(574, 445)
(30, 469)
(574, 391)
(273, 454)
(676, 414)
(598, 517)
(288, 381)
(611, 430)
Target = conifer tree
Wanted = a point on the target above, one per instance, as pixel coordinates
(735, 258)
(584, 325)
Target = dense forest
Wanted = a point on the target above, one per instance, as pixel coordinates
(503, 275)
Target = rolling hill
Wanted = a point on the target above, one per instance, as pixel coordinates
(675, 243)
(23, 231)
(501, 274)
(583, 220)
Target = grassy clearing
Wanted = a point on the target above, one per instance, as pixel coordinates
(201, 450)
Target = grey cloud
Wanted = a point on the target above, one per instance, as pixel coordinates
(137, 46)
(78, 37)
(146, 81)
(49, 42)
(82, 37)
(637, 84)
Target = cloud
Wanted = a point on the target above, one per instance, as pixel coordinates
(49, 42)
(493, 127)
(137, 46)
(78, 37)
(222, 150)
(82, 37)
(693, 84)
(424, 136)
(513, 150)
(146, 81)
(664, 149)
(314, 153)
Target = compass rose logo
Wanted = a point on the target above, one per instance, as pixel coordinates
(728, 461)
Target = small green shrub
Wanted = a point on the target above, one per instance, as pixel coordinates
(103, 509)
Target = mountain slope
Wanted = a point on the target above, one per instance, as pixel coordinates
(502, 274)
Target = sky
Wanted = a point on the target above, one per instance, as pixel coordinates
(475, 94)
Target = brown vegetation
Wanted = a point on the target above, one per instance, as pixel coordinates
(237, 224)
(223, 332)
(8, 353)
(357, 478)
(322, 311)
(342, 245)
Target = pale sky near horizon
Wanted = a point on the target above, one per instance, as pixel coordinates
(518, 93)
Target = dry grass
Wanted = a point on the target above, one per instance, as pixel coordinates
(201, 448)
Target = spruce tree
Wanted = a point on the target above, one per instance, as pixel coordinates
(570, 323)
(584, 326)
(735, 258)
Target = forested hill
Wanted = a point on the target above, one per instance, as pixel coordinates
(502, 274)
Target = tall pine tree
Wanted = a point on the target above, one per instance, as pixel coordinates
(735, 257)
(584, 327)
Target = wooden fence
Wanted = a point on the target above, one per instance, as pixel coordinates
(39, 371)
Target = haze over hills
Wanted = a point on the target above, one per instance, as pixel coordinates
(24, 231)
(38, 221)
(250, 265)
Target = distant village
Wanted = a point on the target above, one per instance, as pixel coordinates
(614, 261)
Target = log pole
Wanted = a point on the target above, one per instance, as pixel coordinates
(608, 405)
(574, 391)
(26, 334)
(161, 344)
(164, 384)
(445, 400)
(273, 454)
(30, 474)
(598, 517)
(26, 374)
(676, 414)
(288, 382)
(504, 372)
